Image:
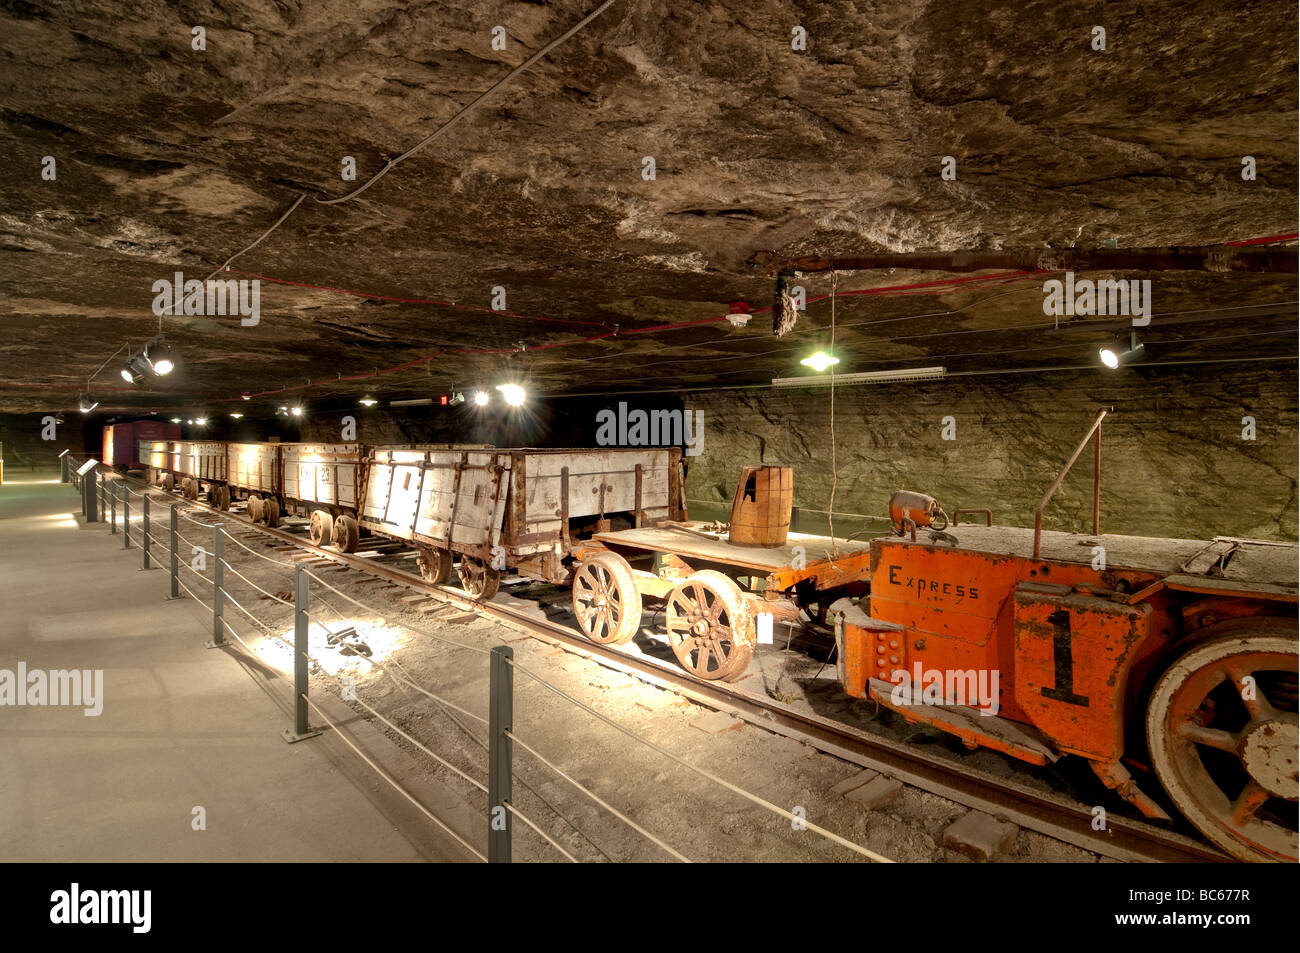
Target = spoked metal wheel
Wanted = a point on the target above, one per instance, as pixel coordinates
(256, 509)
(271, 511)
(1221, 726)
(435, 564)
(320, 528)
(478, 578)
(606, 600)
(223, 497)
(710, 628)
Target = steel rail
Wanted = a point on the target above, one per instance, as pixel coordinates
(1046, 813)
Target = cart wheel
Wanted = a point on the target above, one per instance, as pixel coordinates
(168, 482)
(255, 509)
(606, 599)
(346, 535)
(435, 564)
(320, 528)
(271, 510)
(709, 626)
(225, 498)
(478, 578)
(1225, 748)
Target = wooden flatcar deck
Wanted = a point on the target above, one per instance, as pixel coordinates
(764, 559)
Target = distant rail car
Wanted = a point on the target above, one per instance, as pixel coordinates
(122, 442)
(1177, 658)
(523, 510)
(273, 478)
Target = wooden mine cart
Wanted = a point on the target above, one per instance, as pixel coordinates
(189, 464)
(524, 510)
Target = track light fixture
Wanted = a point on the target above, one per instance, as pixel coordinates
(86, 403)
(134, 370)
(160, 357)
(1112, 357)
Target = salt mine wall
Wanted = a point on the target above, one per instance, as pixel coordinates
(1177, 455)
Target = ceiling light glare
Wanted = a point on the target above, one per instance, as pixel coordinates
(368, 402)
(481, 398)
(819, 361)
(176, 420)
(201, 421)
(1108, 357)
(296, 411)
(236, 416)
(513, 393)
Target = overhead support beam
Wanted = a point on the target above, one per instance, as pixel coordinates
(1216, 258)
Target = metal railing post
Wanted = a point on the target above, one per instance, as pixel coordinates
(218, 580)
(63, 466)
(88, 504)
(500, 720)
(103, 504)
(126, 517)
(144, 530)
(176, 563)
(112, 508)
(301, 623)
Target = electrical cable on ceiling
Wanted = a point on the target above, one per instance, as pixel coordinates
(830, 507)
(465, 110)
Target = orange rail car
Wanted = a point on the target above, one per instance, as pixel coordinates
(1175, 657)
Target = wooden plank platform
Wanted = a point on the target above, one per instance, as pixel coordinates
(763, 559)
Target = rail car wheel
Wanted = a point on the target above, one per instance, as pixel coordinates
(320, 528)
(1221, 727)
(710, 627)
(271, 511)
(346, 535)
(477, 578)
(606, 599)
(167, 481)
(255, 509)
(435, 564)
(225, 498)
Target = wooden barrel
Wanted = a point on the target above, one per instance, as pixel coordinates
(760, 510)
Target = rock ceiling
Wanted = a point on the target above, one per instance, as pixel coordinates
(171, 159)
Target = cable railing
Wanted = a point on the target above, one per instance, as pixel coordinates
(111, 500)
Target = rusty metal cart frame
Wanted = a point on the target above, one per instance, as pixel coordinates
(713, 590)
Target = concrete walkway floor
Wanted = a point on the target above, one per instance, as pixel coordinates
(181, 727)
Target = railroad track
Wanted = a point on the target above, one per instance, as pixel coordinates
(1046, 813)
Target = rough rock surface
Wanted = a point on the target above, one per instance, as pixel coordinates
(172, 159)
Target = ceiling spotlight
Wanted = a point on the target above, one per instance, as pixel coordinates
(246, 395)
(236, 416)
(368, 402)
(481, 398)
(189, 421)
(457, 398)
(296, 411)
(201, 421)
(135, 369)
(513, 393)
(820, 361)
(176, 420)
(159, 356)
(85, 403)
(1113, 357)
